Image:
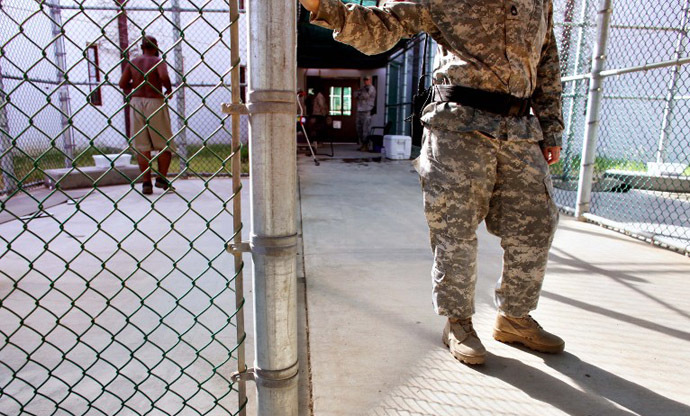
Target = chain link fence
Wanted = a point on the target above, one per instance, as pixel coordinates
(641, 179)
(113, 302)
(60, 66)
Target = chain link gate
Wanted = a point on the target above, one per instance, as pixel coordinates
(113, 302)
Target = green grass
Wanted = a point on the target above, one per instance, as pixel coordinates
(601, 165)
(209, 159)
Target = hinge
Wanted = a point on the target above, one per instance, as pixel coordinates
(246, 375)
(238, 248)
(229, 108)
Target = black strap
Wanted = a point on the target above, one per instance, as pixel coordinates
(493, 102)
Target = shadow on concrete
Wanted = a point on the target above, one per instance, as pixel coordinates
(598, 234)
(599, 387)
(620, 316)
(618, 275)
(439, 385)
(548, 389)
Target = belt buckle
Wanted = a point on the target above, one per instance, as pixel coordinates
(518, 109)
(514, 109)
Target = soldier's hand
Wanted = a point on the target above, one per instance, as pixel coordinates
(311, 5)
(552, 154)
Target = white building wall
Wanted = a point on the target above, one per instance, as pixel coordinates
(34, 118)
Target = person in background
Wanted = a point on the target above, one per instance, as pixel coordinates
(366, 100)
(147, 75)
(491, 130)
(319, 112)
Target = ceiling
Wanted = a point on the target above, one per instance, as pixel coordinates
(316, 48)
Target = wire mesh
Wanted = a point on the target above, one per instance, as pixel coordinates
(643, 153)
(641, 179)
(575, 29)
(113, 302)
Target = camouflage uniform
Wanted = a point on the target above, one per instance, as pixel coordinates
(477, 165)
(366, 97)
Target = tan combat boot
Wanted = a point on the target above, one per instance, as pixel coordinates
(528, 332)
(462, 340)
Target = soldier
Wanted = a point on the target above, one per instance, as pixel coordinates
(491, 130)
(366, 99)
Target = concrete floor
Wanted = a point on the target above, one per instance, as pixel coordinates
(117, 303)
(369, 340)
(622, 306)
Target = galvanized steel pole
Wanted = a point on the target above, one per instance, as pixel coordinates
(6, 148)
(273, 178)
(584, 189)
(62, 79)
(180, 85)
(123, 42)
(667, 120)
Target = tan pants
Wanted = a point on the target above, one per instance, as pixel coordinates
(150, 124)
(468, 178)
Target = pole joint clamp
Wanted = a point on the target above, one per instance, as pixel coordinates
(268, 378)
(272, 102)
(231, 108)
(238, 248)
(274, 245)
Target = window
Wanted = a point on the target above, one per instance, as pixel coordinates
(243, 83)
(341, 101)
(94, 96)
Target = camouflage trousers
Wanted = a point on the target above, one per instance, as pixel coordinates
(467, 178)
(363, 124)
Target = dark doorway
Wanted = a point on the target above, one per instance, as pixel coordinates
(341, 105)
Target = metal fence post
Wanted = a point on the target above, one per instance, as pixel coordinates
(584, 188)
(671, 96)
(6, 153)
(180, 82)
(236, 201)
(273, 162)
(62, 80)
(123, 42)
(575, 99)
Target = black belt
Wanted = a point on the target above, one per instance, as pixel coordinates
(492, 102)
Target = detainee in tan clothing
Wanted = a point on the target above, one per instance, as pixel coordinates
(148, 75)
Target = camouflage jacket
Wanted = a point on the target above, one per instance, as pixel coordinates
(505, 46)
(366, 98)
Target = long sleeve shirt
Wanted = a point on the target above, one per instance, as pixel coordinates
(366, 98)
(505, 46)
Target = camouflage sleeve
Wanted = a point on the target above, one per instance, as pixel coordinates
(546, 99)
(373, 30)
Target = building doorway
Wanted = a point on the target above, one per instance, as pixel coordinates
(339, 94)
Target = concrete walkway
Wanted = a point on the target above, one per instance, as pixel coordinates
(374, 342)
(370, 342)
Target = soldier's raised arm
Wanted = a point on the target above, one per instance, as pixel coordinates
(371, 30)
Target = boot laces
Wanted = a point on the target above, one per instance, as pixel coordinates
(467, 326)
(534, 321)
